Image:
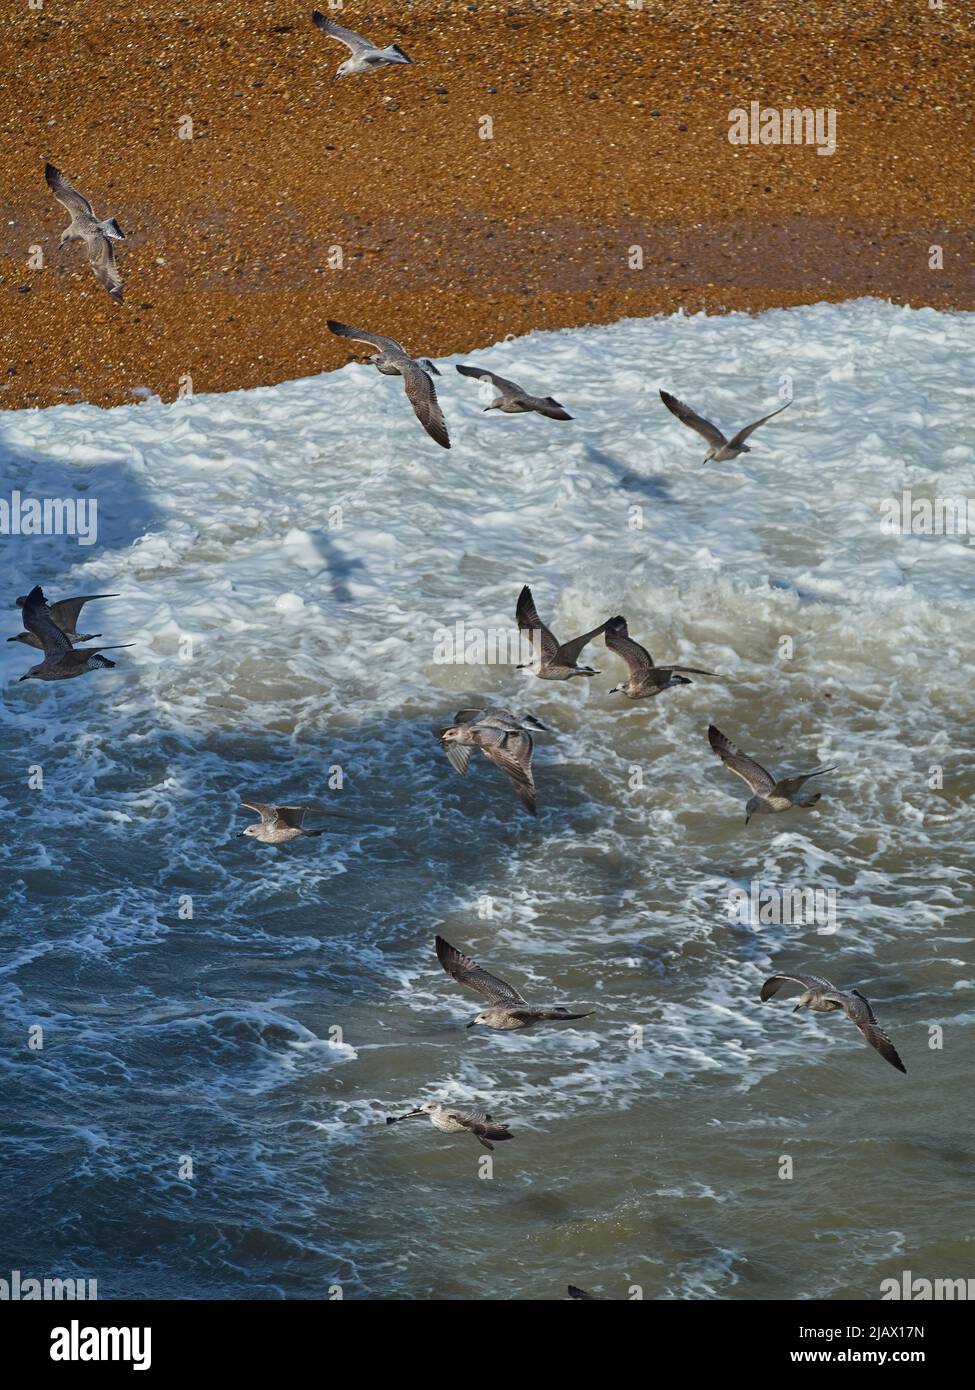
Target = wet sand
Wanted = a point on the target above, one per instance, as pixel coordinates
(610, 131)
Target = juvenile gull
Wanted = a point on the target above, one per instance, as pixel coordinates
(366, 57)
(392, 359)
(769, 795)
(450, 1121)
(84, 226)
(513, 399)
(509, 1009)
(822, 997)
(719, 448)
(278, 824)
(64, 614)
(61, 660)
(554, 660)
(645, 679)
(503, 738)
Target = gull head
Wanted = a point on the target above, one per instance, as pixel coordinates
(249, 830)
(481, 1018)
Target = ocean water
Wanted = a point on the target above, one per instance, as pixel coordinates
(205, 1117)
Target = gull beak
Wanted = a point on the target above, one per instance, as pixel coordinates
(21, 678)
(472, 1023)
(395, 1119)
(797, 1008)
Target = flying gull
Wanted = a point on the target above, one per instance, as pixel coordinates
(450, 1121)
(554, 660)
(84, 226)
(64, 614)
(61, 660)
(278, 824)
(503, 738)
(392, 359)
(720, 449)
(509, 1009)
(769, 795)
(645, 679)
(513, 399)
(823, 998)
(366, 57)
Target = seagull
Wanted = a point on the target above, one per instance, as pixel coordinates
(823, 998)
(645, 679)
(503, 738)
(278, 824)
(61, 660)
(509, 1009)
(85, 226)
(769, 795)
(720, 449)
(514, 400)
(392, 359)
(554, 660)
(450, 1121)
(64, 614)
(366, 57)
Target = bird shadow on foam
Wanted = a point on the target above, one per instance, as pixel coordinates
(123, 512)
(633, 482)
(338, 564)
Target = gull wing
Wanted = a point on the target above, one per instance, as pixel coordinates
(751, 772)
(268, 814)
(458, 755)
(743, 434)
(526, 616)
(774, 982)
(513, 755)
(354, 42)
(101, 258)
(618, 640)
(67, 196)
(788, 786)
(507, 388)
(467, 972)
(857, 1008)
(67, 610)
(291, 815)
(690, 417)
(359, 335)
(569, 651)
(422, 395)
(37, 619)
